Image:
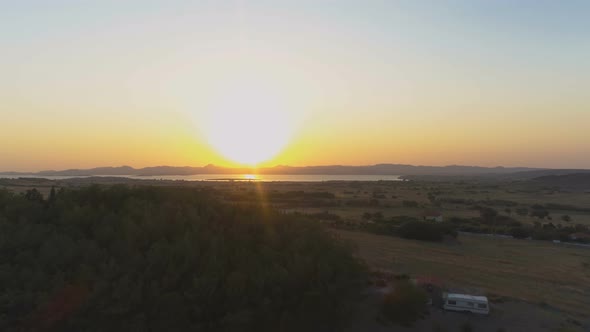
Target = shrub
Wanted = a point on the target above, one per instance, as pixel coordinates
(519, 232)
(540, 213)
(405, 304)
(488, 215)
(425, 231)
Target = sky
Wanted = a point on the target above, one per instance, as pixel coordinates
(146, 83)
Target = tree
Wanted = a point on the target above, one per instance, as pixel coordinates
(405, 304)
(488, 214)
(52, 196)
(378, 216)
(425, 231)
(519, 232)
(34, 195)
(178, 259)
(566, 218)
(539, 213)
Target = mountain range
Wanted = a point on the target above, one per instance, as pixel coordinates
(379, 169)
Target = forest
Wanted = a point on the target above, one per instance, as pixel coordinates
(144, 258)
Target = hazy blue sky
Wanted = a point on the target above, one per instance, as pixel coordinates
(90, 83)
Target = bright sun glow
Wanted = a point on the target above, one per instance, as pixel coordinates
(249, 122)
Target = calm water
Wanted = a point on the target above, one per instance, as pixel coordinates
(235, 177)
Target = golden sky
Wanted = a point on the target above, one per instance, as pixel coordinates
(298, 83)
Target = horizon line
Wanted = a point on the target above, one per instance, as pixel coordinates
(280, 165)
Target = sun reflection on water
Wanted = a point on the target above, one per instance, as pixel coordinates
(250, 177)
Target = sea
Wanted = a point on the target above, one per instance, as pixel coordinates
(230, 177)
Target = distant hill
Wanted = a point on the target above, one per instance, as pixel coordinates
(122, 170)
(568, 182)
(379, 169)
(538, 173)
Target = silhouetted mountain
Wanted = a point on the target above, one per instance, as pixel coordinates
(379, 169)
(567, 182)
(532, 174)
(121, 170)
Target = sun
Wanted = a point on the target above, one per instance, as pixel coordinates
(248, 123)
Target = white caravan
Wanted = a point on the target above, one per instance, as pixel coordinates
(464, 302)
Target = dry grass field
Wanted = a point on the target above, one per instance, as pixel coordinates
(391, 195)
(551, 278)
(537, 272)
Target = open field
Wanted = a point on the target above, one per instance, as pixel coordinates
(537, 272)
(388, 195)
(525, 279)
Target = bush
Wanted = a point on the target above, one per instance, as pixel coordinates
(539, 212)
(425, 231)
(519, 232)
(405, 304)
(488, 215)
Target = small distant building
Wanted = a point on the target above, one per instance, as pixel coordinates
(435, 216)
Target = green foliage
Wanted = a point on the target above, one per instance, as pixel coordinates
(519, 232)
(34, 195)
(539, 213)
(488, 215)
(426, 231)
(405, 304)
(167, 259)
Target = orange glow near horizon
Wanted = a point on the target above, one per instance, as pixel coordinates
(251, 84)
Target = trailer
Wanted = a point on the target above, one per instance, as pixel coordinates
(465, 302)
